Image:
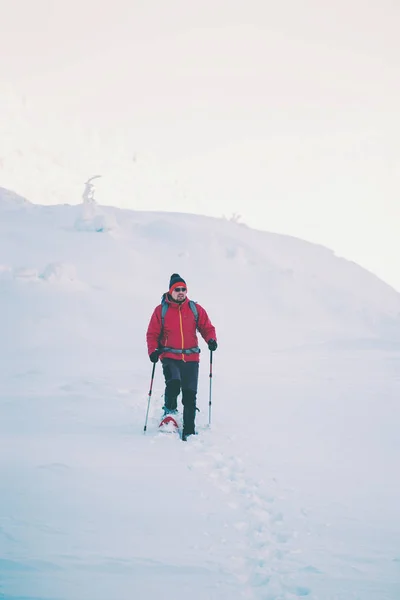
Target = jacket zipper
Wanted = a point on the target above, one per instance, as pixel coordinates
(181, 326)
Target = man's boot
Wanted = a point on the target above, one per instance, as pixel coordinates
(189, 413)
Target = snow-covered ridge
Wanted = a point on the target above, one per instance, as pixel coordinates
(286, 288)
(10, 200)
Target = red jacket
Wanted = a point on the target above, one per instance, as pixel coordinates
(179, 330)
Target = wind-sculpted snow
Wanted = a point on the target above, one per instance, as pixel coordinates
(291, 493)
(59, 272)
(52, 273)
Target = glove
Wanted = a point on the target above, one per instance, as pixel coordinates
(154, 356)
(212, 345)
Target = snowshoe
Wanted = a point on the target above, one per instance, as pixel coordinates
(169, 424)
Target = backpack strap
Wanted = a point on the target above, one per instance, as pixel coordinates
(164, 308)
(194, 310)
(195, 350)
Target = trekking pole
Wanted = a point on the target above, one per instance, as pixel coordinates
(148, 403)
(209, 401)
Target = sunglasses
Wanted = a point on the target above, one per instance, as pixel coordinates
(180, 290)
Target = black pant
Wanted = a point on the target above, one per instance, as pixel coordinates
(180, 375)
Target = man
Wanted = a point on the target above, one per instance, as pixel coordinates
(171, 336)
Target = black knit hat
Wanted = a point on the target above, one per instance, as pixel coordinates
(174, 281)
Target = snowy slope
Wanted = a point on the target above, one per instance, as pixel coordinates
(293, 491)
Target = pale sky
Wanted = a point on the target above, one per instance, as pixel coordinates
(286, 113)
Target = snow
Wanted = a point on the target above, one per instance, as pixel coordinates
(294, 490)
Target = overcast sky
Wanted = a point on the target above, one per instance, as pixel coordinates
(286, 113)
